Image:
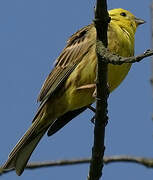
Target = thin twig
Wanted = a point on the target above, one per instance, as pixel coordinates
(119, 60)
(147, 162)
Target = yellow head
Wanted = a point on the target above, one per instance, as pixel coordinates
(124, 18)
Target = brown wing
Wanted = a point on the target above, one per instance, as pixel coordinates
(77, 46)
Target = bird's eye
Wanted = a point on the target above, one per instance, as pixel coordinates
(123, 14)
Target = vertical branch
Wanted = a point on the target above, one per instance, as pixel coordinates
(152, 45)
(101, 23)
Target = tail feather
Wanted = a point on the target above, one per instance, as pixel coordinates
(25, 153)
(21, 153)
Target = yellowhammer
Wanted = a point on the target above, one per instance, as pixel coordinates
(69, 88)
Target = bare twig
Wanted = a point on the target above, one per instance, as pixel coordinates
(101, 23)
(147, 162)
(118, 60)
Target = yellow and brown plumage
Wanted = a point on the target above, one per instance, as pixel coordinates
(69, 88)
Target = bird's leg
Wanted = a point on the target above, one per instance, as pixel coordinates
(95, 91)
(93, 119)
(93, 110)
(87, 86)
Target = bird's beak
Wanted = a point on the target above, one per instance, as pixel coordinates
(139, 21)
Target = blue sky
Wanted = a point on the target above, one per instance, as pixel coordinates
(32, 34)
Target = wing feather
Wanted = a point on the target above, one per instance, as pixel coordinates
(77, 46)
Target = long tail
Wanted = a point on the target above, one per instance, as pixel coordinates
(21, 153)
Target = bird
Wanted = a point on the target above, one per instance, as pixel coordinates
(69, 88)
